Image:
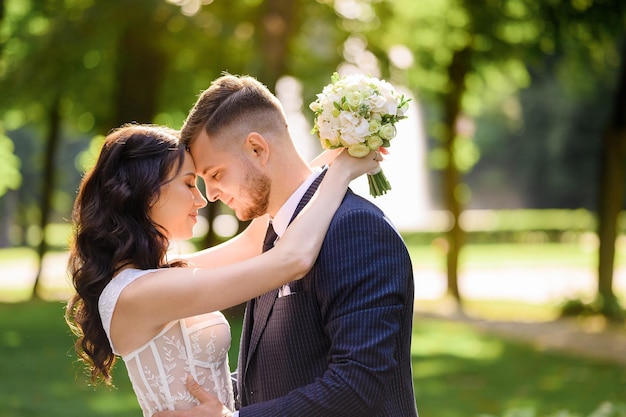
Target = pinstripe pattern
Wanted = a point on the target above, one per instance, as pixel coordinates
(339, 345)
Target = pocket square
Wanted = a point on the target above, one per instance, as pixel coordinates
(284, 291)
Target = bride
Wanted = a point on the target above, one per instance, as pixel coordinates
(162, 316)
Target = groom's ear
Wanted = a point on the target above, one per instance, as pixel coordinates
(256, 148)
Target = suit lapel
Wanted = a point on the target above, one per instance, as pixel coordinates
(262, 309)
(263, 305)
(308, 194)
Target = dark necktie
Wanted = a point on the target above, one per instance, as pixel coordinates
(268, 243)
(270, 238)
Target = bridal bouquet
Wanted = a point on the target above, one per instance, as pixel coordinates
(359, 113)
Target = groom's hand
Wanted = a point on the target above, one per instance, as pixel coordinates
(209, 406)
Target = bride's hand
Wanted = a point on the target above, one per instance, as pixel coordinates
(356, 167)
(209, 406)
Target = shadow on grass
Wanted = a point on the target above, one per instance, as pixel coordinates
(458, 372)
(40, 374)
(461, 372)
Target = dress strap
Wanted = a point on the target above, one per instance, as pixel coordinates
(111, 293)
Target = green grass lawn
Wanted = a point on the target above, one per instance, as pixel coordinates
(458, 372)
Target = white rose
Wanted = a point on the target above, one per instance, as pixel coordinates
(387, 131)
(374, 125)
(359, 150)
(374, 142)
(353, 100)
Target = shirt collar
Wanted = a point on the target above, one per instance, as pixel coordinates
(285, 213)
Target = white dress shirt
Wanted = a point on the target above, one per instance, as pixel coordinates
(285, 213)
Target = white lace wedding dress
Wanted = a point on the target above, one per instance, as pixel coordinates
(196, 346)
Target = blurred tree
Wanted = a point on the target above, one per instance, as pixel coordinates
(277, 21)
(473, 56)
(470, 56)
(30, 29)
(70, 70)
(582, 45)
(50, 44)
(266, 39)
(611, 198)
(101, 63)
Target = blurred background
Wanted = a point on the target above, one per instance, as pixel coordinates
(507, 177)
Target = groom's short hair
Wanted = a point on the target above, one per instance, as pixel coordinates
(233, 102)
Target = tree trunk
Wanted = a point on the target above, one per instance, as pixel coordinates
(141, 68)
(53, 140)
(277, 23)
(8, 207)
(457, 71)
(611, 198)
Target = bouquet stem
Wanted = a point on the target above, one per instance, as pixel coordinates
(378, 183)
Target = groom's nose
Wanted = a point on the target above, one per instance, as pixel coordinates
(212, 193)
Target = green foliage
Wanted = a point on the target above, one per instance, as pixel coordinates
(10, 177)
(606, 409)
(87, 158)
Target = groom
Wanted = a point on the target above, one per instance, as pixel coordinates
(337, 342)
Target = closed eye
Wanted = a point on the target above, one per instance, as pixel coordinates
(191, 179)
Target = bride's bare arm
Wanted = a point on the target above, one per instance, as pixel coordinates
(243, 246)
(174, 293)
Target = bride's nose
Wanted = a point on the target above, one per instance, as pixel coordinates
(199, 199)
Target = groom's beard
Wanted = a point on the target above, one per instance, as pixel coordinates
(257, 186)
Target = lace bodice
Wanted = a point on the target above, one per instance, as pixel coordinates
(196, 346)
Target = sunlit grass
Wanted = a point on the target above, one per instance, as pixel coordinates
(17, 254)
(458, 372)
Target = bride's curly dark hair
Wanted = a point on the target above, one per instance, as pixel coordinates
(113, 229)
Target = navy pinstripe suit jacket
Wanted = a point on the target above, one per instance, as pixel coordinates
(340, 344)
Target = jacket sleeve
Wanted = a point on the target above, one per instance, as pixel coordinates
(361, 282)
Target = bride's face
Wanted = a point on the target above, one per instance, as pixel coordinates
(176, 209)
